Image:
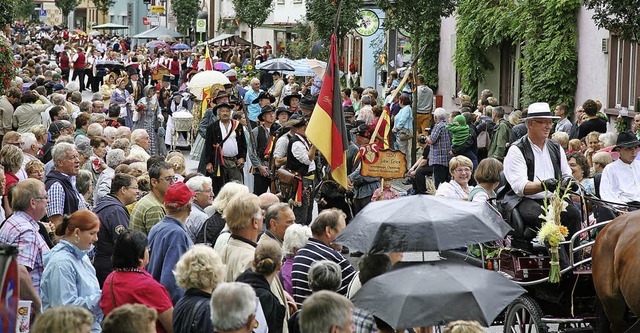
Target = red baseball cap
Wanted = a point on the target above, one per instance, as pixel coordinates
(178, 195)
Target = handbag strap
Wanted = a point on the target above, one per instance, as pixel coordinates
(113, 296)
(190, 322)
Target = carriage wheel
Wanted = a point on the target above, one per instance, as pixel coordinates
(524, 316)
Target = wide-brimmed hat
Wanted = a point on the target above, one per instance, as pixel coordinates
(166, 78)
(264, 95)
(221, 94)
(265, 109)
(287, 99)
(540, 110)
(215, 108)
(362, 130)
(282, 110)
(348, 111)
(307, 103)
(627, 140)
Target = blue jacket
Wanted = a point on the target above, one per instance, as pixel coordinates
(70, 279)
(168, 241)
(114, 219)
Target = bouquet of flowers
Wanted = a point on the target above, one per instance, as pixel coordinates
(552, 231)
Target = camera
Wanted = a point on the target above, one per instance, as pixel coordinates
(422, 139)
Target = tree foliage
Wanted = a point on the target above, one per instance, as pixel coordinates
(186, 13)
(7, 68)
(103, 5)
(253, 13)
(66, 7)
(422, 20)
(322, 14)
(621, 17)
(6, 13)
(300, 47)
(546, 32)
(24, 9)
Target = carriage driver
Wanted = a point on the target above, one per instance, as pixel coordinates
(535, 160)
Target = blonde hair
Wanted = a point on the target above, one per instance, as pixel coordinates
(129, 318)
(178, 164)
(70, 319)
(226, 193)
(463, 326)
(603, 158)
(459, 161)
(562, 139)
(11, 158)
(574, 144)
(32, 166)
(200, 267)
(242, 208)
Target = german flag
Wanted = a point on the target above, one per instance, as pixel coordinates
(208, 65)
(327, 130)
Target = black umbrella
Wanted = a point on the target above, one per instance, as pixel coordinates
(422, 223)
(437, 293)
(277, 65)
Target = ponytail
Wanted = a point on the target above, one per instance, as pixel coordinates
(61, 229)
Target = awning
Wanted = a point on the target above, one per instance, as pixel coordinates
(157, 32)
(231, 40)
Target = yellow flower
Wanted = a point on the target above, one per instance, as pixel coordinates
(564, 231)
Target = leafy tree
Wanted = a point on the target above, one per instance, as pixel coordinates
(621, 17)
(322, 14)
(66, 7)
(103, 6)
(253, 13)
(6, 13)
(24, 8)
(186, 12)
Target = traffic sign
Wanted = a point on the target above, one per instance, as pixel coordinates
(145, 21)
(157, 9)
(201, 25)
(43, 12)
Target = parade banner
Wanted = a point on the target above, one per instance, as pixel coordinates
(383, 163)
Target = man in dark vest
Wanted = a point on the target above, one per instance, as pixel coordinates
(225, 148)
(262, 156)
(300, 159)
(533, 163)
(134, 87)
(64, 198)
(79, 63)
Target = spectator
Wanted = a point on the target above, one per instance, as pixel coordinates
(30, 148)
(64, 198)
(563, 124)
(365, 113)
(593, 123)
(115, 220)
(425, 104)
(488, 178)
(103, 183)
(28, 113)
(140, 145)
(35, 170)
(123, 132)
(84, 184)
(244, 218)
(198, 272)
(129, 283)
(131, 318)
(460, 169)
(11, 159)
(326, 311)
(295, 238)
(501, 133)
(82, 125)
(463, 326)
(325, 228)
(279, 217)
(216, 225)
(201, 185)
(7, 103)
(22, 230)
(69, 277)
(601, 160)
(149, 210)
(56, 129)
(233, 308)
(68, 319)
(440, 142)
(169, 240)
(403, 126)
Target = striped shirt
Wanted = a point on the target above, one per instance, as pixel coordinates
(314, 251)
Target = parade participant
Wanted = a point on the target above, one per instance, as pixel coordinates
(79, 62)
(108, 86)
(300, 159)
(263, 100)
(282, 144)
(149, 117)
(361, 186)
(168, 240)
(134, 87)
(21, 230)
(533, 165)
(225, 148)
(249, 98)
(69, 278)
(65, 64)
(261, 157)
(166, 91)
(291, 101)
(307, 103)
(233, 308)
(244, 219)
(115, 220)
(64, 198)
(621, 178)
(150, 210)
(282, 115)
(199, 271)
(129, 283)
(325, 228)
(207, 119)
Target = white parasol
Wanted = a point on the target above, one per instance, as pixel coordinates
(204, 80)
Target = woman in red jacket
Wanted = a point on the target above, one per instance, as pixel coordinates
(65, 65)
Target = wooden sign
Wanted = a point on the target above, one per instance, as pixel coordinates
(383, 163)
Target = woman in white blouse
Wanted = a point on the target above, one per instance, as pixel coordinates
(460, 168)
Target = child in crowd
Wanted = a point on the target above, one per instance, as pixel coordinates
(385, 192)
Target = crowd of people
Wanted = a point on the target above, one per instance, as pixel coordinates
(116, 234)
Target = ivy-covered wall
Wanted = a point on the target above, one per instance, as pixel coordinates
(547, 32)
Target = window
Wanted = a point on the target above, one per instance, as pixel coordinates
(297, 1)
(623, 73)
(280, 2)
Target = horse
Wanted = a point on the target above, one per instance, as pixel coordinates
(615, 267)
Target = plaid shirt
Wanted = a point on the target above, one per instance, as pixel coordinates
(441, 145)
(363, 321)
(147, 213)
(56, 198)
(21, 230)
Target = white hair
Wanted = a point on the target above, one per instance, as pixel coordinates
(28, 139)
(115, 158)
(197, 183)
(109, 132)
(295, 237)
(232, 304)
(59, 152)
(608, 139)
(136, 135)
(94, 130)
(254, 80)
(440, 113)
(96, 118)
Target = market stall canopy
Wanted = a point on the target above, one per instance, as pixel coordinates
(156, 32)
(230, 40)
(110, 26)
